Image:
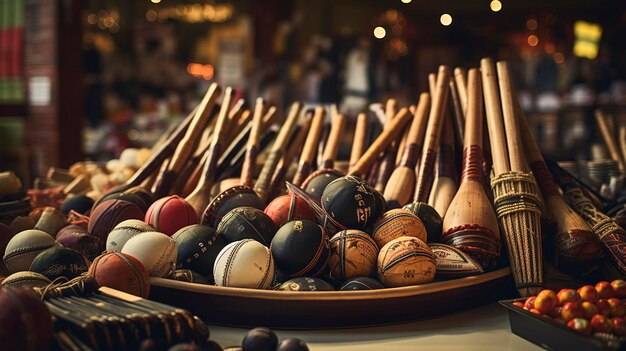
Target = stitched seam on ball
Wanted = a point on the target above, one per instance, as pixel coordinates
(267, 270)
(392, 217)
(313, 262)
(22, 250)
(292, 208)
(154, 218)
(156, 268)
(255, 230)
(14, 255)
(229, 261)
(342, 257)
(22, 281)
(135, 271)
(405, 256)
(364, 237)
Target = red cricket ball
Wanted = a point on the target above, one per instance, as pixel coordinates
(568, 295)
(604, 308)
(617, 307)
(546, 300)
(530, 303)
(589, 309)
(580, 324)
(571, 310)
(600, 324)
(619, 288)
(588, 293)
(605, 290)
(171, 213)
(287, 208)
(25, 322)
(618, 326)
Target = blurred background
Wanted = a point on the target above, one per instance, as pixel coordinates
(86, 79)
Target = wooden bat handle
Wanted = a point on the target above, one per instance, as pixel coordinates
(461, 85)
(382, 141)
(285, 132)
(495, 125)
(391, 109)
(457, 109)
(185, 147)
(432, 83)
(310, 146)
(513, 137)
(474, 126)
(609, 140)
(332, 145)
(358, 143)
(252, 151)
(416, 133)
(433, 134)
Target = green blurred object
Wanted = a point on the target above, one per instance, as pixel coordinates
(11, 133)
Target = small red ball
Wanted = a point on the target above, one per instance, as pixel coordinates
(122, 272)
(604, 308)
(618, 326)
(518, 304)
(571, 310)
(25, 322)
(568, 295)
(589, 309)
(605, 290)
(600, 324)
(617, 307)
(580, 324)
(287, 208)
(530, 303)
(588, 293)
(546, 300)
(171, 213)
(619, 288)
(110, 213)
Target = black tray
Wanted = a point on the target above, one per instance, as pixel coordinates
(554, 336)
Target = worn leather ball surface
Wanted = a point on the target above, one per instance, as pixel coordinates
(396, 223)
(198, 246)
(155, 250)
(122, 272)
(58, 262)
(353, 253)
(430, 218)
(51, 221)
(110, 213)
(288, 208)
(292, 344)
(24, 247)
(361, 283)
(171, 213)
(124, 231)
(406, 261)
(79, 203)
(27, 279)
(301, 248)
(247, 223)
(25, 322)
(351, 202)
(78, 238)
(244, 264)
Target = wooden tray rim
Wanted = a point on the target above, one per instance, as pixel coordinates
(379, 294)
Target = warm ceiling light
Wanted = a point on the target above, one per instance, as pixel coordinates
(445, 19)
(406, 1)
(533, 40)
(155, 1)
(495, 5)
(379, 32)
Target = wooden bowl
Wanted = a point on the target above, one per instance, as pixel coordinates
(332, 309)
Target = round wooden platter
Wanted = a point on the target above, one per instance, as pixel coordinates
(331, 309)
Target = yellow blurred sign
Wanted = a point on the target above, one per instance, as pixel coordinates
(587, 40)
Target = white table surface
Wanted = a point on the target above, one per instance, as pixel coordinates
(483, 328)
